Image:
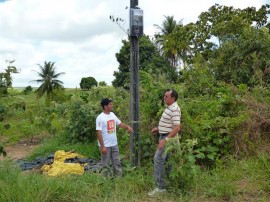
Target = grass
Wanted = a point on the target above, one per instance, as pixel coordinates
(233, 180)
(20, 121)
(236, 181)
(53, 144)
(17, 186)
(245, 180)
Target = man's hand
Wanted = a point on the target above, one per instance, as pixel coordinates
(103, 150)
(154, 131)
(129, 129)
(162, 144)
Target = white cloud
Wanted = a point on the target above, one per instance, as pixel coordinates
(78, 35)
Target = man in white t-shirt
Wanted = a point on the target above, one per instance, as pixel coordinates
(106, 123)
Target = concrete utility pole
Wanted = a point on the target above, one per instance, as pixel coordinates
(135, 31)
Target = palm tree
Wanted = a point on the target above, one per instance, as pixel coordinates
(167, 27)
(48, 80)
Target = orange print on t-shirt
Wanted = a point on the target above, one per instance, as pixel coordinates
(110, 126)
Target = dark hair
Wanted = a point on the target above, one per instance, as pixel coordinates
(173, 94)
(105, 101)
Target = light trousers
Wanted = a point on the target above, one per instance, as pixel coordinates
(113, 157)
(160, 168)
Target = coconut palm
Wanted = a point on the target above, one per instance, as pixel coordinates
(48, 80)
(167, 27)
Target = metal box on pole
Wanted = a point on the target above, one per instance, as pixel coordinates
(136, 22)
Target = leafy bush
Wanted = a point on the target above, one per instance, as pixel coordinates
(19, 105)
(81, 122)
(3, 91)
(2, 110)
(183, 163)
(102, 83)
(212, 120)
(27, 90)
(2, 150)
(88, 82)
(58, 95)
(151, 97)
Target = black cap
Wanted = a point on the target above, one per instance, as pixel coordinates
(105, 101)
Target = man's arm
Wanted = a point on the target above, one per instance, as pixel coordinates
(100, 139)
(127, 127)
(175, 130)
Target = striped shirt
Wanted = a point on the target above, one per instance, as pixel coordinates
(170, 118)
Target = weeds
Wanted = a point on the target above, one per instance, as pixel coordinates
(246, 180)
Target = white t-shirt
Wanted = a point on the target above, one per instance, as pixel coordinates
(107, 124)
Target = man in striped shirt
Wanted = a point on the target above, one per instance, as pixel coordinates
(168, 127)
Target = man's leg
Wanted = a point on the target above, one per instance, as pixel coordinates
(168, 167)
(105, 159)
(159, 168)
(117, 168)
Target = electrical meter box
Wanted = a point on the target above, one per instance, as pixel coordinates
(136, 22)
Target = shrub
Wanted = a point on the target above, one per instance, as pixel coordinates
(58, 95)
(182, 162)
(81, 123)
(2, 110)
(27, 90)
(2, 150)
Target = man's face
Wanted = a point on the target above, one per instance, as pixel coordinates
(109, 107)
(168, 100)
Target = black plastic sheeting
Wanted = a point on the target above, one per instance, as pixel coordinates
(91, 164)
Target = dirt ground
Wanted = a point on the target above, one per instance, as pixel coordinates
(18, 151)
(21, 149)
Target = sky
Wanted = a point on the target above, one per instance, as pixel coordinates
(79, 36)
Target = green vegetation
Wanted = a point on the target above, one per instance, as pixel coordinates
(88, 82)
(223, 154)
(27, 89)
(102, 83)
(245, 180)
(6, 78)
(207, 164)
(49, 81)
(150, 61)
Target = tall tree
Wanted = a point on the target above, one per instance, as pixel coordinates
(150, 61)
(88, 82)
(167, 27)
(233, 42)
(179, 43)
(224, 23)
(242, 49)
(5, 77)
(245, 60)
(102, 83)
(49, 80)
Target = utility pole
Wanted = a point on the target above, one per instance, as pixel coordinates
(136, 30)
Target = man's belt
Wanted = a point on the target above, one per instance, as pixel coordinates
(163, 134)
